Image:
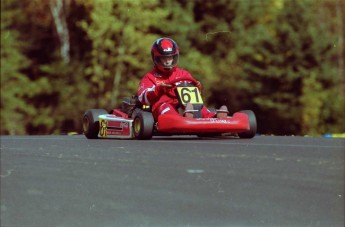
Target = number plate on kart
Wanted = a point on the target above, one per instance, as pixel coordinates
(111, 126)
(189, 94)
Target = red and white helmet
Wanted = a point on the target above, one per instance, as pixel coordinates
(163, 49)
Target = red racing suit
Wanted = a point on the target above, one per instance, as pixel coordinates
(166, 103)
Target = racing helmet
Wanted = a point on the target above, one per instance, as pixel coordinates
(165, 54)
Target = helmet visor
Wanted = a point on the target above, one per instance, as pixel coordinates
(167, 62)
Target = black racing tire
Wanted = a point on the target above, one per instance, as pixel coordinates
(143, 124)
(91, 122)
(252, 125)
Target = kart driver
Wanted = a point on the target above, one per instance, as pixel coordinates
(155, 89)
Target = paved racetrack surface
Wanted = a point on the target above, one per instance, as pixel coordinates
(172, 181)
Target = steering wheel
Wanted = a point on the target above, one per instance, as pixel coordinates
(186, 81)
(189, 79)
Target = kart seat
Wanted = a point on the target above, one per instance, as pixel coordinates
(130, 103)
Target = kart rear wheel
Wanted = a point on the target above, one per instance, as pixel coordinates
(252, 125)
(143, 125)
(91, 122)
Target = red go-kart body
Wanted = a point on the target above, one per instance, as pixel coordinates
(97, 123)
(239, 122)
(133, 120)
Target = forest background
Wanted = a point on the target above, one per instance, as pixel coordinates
(283, 59)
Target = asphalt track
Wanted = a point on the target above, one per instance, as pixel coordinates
(172, 181)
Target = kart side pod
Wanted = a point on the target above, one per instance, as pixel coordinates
(97, 123)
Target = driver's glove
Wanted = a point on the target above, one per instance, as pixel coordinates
(162, 88)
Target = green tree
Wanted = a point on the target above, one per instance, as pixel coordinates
(120, 33)
(284, 59)
(286, 54)
(40, 91)
(276, 57)
(215, 39)
(16, 87)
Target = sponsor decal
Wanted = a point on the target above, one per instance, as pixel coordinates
(160, 82)
(113, 133)
(215, 120)
(118, 128)
(124, 124)
(220, 121)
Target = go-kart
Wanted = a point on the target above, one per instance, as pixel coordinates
(134, 120)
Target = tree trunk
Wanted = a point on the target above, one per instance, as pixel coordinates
(56, 7)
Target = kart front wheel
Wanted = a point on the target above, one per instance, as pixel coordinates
(143, 125)
(91, 123)
(252, 125)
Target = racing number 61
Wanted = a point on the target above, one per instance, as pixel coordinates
(191, 95)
